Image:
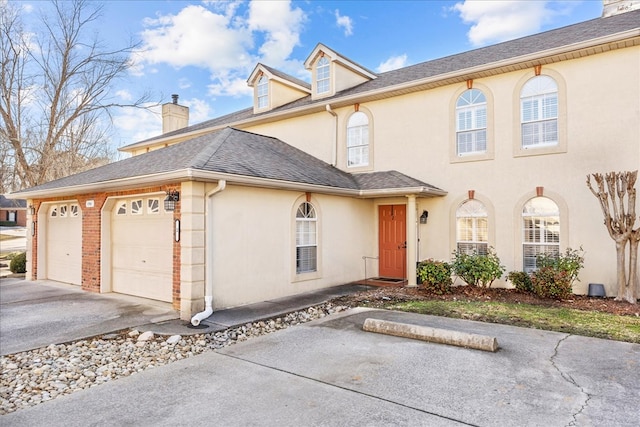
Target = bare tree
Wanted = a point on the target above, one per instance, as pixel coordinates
(617, 195)
(55, 93)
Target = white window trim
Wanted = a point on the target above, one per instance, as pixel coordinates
(328, 79)
(489, 153)
(311, 275)
(540, 149)
(262, 93)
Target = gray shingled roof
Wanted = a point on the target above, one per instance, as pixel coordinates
(12, 204)
(288, 77)
(541, 42)
(240, 153)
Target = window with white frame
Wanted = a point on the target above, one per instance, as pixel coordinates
(539, 112)
(263, 92)
(63, 211)
(472, 231)
(471, 123)
(153, 206)
(358, 140)
(323, 75)
(306, 239)
(540, 231)
(53, 212)
(75, 210)
(136, 207)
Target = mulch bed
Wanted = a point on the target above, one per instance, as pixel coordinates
(383, 295)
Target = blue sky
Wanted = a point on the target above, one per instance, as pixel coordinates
(205, 50)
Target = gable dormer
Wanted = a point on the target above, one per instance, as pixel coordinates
(273, 88)
(332, 72)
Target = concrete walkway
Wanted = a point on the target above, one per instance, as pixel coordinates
(327, 372)
(331, 373)
(34, 314)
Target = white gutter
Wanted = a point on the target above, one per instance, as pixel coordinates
(208, 291)
(334, 148)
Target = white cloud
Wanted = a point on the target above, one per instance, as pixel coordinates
(495, 21)
(195, 37)
(124, 95)
(281, 26)
(223, 38)
(393, 63)
(236, 87)
(344, 22)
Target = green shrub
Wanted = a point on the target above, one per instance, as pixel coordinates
(19, 263)
(556, 274)
(549, 282)
(435, 276)
(476, 269)
(521, 280)
(571, 262)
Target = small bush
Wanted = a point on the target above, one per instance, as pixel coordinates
(549, 282)
(556, 274)
(571, 262)
(521, 280)
(19, 263)
(435, 276)
(477, 269)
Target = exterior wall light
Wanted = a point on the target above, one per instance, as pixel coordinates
(170, 201)
(32, 210)
(423, 217)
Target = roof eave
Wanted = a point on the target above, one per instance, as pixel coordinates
(402, 192)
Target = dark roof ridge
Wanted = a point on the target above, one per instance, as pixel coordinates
(219, 137)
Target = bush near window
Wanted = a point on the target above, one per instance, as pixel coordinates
(435, 276)
(521, 280)
(555, 275)
(476, 269)
(19, 263)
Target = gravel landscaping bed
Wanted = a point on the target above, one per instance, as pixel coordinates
(31, 377)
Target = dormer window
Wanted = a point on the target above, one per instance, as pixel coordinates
(263, 92)
(323, 75)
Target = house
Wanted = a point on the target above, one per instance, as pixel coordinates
(13, 212)
(359, 173)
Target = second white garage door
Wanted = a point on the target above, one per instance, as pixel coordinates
(142, 249)
(64, 243)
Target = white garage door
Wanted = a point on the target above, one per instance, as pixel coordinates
(64, 243)
(142, 249)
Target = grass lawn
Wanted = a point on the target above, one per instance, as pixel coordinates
(578, 322)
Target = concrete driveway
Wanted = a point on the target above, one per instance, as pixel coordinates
(329, 372)
(36, 314)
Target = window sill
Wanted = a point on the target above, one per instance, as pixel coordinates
(539, 150)
(473, 157)
(301, 277)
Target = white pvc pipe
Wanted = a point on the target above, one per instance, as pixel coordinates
(208, 295)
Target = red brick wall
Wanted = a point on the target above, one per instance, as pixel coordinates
(91, 237)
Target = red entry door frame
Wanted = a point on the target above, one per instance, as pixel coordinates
(392, 241)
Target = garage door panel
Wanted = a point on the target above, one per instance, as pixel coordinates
(143, 284)
(64, 244)
(142, 252)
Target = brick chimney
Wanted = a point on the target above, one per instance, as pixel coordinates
(616, 7)
(174, 116)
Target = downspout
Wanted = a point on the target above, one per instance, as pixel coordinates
(208, 292)
(334, 154)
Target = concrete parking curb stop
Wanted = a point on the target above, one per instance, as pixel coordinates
(425, 333)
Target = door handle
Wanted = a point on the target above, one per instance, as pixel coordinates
(403, 246)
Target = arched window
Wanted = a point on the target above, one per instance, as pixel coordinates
(323, 75)
(471, 122)
(540, 230)
(306, 239)
(539, 112)
(472, 231)
(263, 92)
(358, 140)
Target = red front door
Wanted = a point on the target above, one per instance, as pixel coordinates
(392, 240)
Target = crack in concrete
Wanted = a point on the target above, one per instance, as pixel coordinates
(571, 381)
